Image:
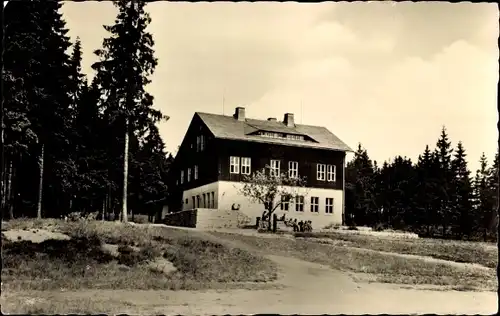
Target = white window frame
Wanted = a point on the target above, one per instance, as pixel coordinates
(246, 163)
(189, 174)
(299, 203)
(331, 173)
(234, 164)
(329, 206)
(275, 167)
(182, 176)
(293, 169)
(320, 172)
(285, 203)
(314, 204)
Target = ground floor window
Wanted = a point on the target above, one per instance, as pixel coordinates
(285, 202)
(299, 203)
(213, 200)
(314, 204)
(329, 205)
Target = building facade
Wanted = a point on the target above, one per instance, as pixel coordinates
(218, 151)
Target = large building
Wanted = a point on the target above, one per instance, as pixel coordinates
(218, 151)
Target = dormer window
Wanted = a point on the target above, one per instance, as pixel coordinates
(281, 135)
(295, 137)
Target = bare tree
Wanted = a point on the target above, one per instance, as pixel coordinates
(272, 190)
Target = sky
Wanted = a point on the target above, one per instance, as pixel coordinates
(386, 75)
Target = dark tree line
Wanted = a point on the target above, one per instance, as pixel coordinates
(435, 196)
(70, 144)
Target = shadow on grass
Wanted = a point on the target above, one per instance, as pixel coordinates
(80, 262)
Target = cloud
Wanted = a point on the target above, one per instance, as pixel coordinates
(387, 76)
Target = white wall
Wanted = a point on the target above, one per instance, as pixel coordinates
(208, 188)
(228, 194)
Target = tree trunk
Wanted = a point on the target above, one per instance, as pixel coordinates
(125, 173)
(8, 192)
(3, 189)
(40, 183)
(103, 208)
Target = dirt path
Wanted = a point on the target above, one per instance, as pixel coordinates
(308, 288)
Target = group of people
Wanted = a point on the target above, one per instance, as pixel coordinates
(298, 226)
(301, 226)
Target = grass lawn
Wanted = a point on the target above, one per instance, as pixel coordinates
(201, 261)
(485, 254)
(375, 266)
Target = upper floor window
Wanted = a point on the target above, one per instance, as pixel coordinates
(202, 142)
(331, 170)
(293, 169)
(299, 203)
(320, 172)
(182, 176)
(196, 172)
(234, 164)
(329, 205)
(198, 142)
(245, 165)
(275, 168)
(314, 204)
(285, 202)
(189, 175)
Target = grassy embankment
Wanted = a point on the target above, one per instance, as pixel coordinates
(374, 259)
(81, 262)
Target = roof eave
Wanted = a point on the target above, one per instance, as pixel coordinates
(284, 144)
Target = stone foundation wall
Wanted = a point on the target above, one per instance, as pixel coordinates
(208, 219)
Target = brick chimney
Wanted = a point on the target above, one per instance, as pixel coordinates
(289, 120)
(239, 113)
(272, 119)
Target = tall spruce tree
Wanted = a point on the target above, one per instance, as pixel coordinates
(361, 200)
(424, 198)
(462, 210)
(36, 36)
(485, 198)
(126, 62)
(445, 177)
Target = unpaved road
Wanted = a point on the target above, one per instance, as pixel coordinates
(308, 288)
(305, 288)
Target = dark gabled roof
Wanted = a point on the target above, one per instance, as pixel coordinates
(227, 127)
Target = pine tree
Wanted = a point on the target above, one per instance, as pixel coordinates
(126, 61)
(36, 55)
(445, 177)
(485, 198)
(462, 198)
(361, 205)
